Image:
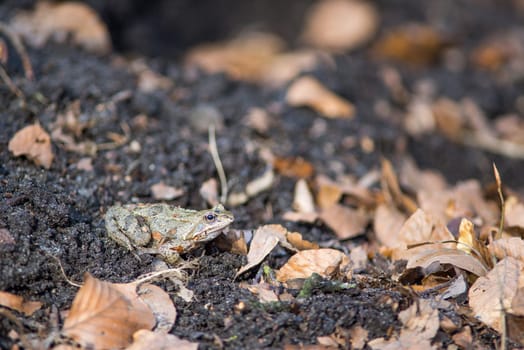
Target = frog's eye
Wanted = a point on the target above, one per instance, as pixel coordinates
(210, 217)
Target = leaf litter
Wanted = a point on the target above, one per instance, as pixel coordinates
(449, 236)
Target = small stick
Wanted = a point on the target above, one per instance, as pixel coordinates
(20, 48)
(10, 84)
(218, 164)
(502, 202)
(63, 272)
(501, 282)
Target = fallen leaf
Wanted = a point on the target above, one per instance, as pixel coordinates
(34, 143)
(326, 262)
(392, 191)
(455, 257)
(514, 212)
(232, 241)
(18, 303)
(162, 191)
(61, 20)
(340, 25)
(345, 222)
(6, 237)
(413, 43)
(387, 222)
(245, 57)
(359, 337)
(209, 191)
(296, 240)
(490, 295)
(293, 167)
(261, 183)
(262, 290)
(463, 338)
(258, 119)
(160, 304)
(508, 247)
(300, 217)
(264, 240)
(303, 199)
(328, 195)
(103, 317)
(420, 322)
(286, 66)
(145, 339)
(309, 92)
(85, 164)
(420, 319)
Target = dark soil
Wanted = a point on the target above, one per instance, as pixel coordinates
(59, 212)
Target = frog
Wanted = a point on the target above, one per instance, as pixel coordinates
(164, 230)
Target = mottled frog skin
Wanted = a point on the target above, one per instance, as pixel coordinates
(164, 230)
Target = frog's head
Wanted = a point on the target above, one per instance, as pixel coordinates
(210, 224)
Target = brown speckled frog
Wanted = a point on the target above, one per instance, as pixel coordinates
(163, 229)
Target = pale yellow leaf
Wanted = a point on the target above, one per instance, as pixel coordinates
(454, 257)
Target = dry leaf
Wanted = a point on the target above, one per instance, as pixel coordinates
(325, 262)
(165, 192)
(262, 290)
(145, 339)
(303, 199)
(413, 43)
(209, 191)
(300, 217)
(296, 240)
(103, 317)
(421, 323)
(293, 167)
(392, 191)
(18, 303)
(264, 240)
(232, 241)
(6, 237)
(245, 57)
(490, 295)
(463, 338)
(160, 304)
(284, 67)
(387, 223)
(261, 183)
(60, 20)
(455, 257)
(328, 194)
(34, 143)
(344, 221)
(258, 119)
(359, 336)
(504, 247)
(514, 212)
(309, 92)
(340, 25)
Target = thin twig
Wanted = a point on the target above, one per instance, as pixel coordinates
(10, 84)
(218, 164)
(20, 48)
(63, 272)
(501, 282)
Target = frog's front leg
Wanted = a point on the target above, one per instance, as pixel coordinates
(170, 252)
(124, 228)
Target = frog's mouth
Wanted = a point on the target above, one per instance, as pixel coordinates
(207, 235)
